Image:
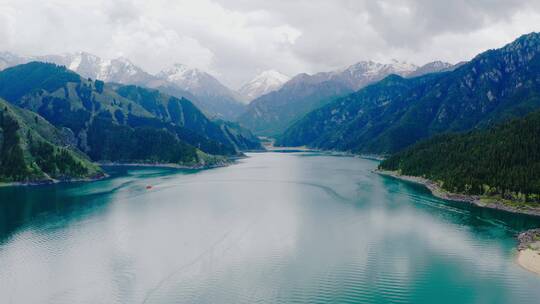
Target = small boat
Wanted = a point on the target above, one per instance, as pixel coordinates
(148, 187)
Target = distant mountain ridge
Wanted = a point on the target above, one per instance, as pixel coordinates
(272, 113)
(119, 70)
(362, 73)
(220, 102)
(212, 96)
(203, 89)
(432, 67)
(396, 112)
(196, 81)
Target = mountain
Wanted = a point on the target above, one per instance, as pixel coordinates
(8, 59)
(500, 161)
(32, 150)
(397, 112)
(366, 72)
(242, 138)
(115, 122)
(201, 88)
(194, 80)
(272, 113)
(264, 83)
(119, 70)
(214, 98)
(181, 112)
(432, 67)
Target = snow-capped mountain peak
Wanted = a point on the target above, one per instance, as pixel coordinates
(184, 76)
(402, 67)
(196, 81)
(272, 76)
(264, 83)
(119, 70)
(363, 73)
(432, 67)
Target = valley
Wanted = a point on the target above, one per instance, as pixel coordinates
(269, 152)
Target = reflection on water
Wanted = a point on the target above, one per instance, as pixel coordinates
(274, 228)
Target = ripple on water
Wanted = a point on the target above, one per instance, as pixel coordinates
(272, 229)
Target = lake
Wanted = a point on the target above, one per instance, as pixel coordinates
(272, 228)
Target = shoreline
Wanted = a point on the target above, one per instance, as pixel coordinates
(476, 200)
(528, 256)
(222, 162)
(219, 164)
(529, 250)
(168, 165)
(55, 181)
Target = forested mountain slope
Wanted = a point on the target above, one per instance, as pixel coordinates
(32, 150)
(503, 160)
(145, 126)
(272, 113)
(397, 112)
(204, 90)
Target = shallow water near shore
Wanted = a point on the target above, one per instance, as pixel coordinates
(272, 228)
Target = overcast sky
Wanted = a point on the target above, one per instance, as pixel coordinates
(235, 39)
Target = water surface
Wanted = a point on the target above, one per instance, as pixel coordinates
(274, 228)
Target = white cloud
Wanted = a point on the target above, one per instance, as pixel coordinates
(235, 39)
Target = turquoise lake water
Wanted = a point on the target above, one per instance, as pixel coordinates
(273, 228)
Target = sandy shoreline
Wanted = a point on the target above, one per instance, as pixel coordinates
(530, 260)
(529, 250)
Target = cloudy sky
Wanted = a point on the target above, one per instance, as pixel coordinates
(235, 39)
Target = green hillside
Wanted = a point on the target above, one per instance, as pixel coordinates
(503, 160)
(32, 150)
(116, 123)
(271, 114)
(392, 114)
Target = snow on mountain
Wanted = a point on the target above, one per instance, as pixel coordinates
(200, 87)
(119, 70)
(214, 98)
(8, 59)
(195, 81)
(262, 84)
(210, 94)
(363, 73)
(433, 67)
(272, 113)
